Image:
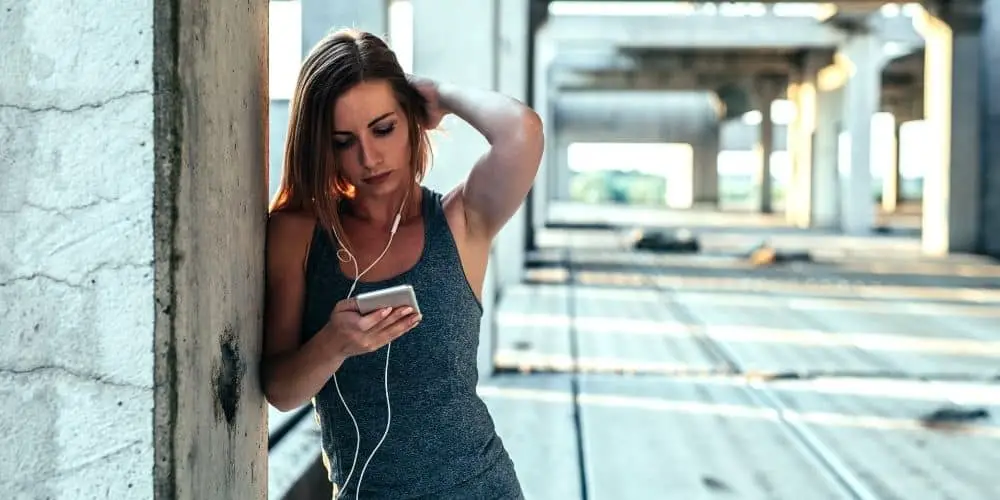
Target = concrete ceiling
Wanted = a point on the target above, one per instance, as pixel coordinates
(635, 116)
(677, 69)
(653, 73)
(712, 30)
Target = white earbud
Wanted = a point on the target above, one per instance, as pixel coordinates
(395, 224)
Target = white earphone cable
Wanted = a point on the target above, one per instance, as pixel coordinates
(388, 348)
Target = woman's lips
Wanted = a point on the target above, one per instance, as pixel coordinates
(375, 179)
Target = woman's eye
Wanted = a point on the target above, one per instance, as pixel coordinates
(384, 131)
(341, 144)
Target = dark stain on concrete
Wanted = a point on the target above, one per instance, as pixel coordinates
(227, 381)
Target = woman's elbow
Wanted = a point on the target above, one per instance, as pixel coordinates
(534, 136)
(531, 124)
(278, 400)
(531, 136)
(273, 393)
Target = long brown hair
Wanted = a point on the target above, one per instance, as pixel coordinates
(312, 179)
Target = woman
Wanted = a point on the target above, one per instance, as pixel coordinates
(351, 217)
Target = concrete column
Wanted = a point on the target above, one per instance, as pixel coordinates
(512, 80)
(861, 102)
(473, 63)
(561, 174)
(890, 179)
(706, 167)
(824, 203)
(545, 51)
(953, 180)
(990, 226)
(766, 153)
(319, 17)
(132, 251)
(767, 90)
(800, 142)
(470, 63)
(793, 196)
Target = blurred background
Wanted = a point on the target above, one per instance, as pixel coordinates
(747, 268)
(759, 260)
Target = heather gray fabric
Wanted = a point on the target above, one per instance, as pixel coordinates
(442, 442)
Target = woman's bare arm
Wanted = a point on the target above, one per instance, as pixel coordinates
(292, 372)
(502, 177)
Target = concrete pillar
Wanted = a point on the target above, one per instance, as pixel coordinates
(133, 251)
(562, 176)
(512, 80)
(824, 206)
(472, 63)
(766, 153)
(990, 226)
(952, 181)
(803, 93)
(319, 17)
(545, 51)
(890, 178)
(679, 194)
(767, 90)
(706, 167)
(861, 101)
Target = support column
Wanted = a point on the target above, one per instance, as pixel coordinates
(473, 63)
(952, 181)
(767, 90)
(512, 80)
(319, 17)
(545, 51)
(861, 102)
(825, 192)
(562, 176)
(990, 226)
(706, 168)
(890, 178)
(132, 273)
(801, 134)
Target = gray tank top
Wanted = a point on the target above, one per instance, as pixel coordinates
(441, 435)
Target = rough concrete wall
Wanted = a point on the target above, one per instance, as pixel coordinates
(211, 148)
(132, 202)
(76, 249)
(990, 230)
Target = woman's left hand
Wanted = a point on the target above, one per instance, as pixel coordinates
(429, 89)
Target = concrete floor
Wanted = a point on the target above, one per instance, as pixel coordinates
(638, 376)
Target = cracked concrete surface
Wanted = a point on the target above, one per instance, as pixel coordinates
(35, 371)
(87, 105)
(133, 226)
(76, 252)
(66, 439)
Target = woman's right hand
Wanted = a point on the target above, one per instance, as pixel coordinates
(353, 334)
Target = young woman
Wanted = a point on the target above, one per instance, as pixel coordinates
(395, 392)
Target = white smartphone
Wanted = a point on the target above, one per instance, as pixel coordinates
(396, 296)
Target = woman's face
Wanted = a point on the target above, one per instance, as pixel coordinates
(371, 139)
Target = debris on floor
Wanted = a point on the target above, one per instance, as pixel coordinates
(766, 255)
(668, 241)
(951, 416)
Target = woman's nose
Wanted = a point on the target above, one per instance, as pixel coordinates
(369, 154)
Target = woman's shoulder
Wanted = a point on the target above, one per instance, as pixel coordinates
(289, 235)
(291, 222)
